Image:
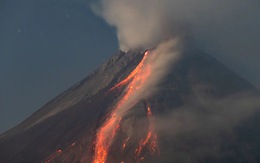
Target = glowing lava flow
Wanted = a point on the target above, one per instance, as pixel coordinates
(58, 153)
(107, 131)
(132, 74)
(151, 139)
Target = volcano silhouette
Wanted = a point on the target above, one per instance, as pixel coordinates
(204, 112)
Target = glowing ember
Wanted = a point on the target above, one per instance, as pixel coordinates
(59, 152)
(124, 143)
(53, 156)
(106, 133)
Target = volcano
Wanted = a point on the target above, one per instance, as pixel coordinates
(201, 111)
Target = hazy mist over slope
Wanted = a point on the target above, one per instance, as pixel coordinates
(227, 29)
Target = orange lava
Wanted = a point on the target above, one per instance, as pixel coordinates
(132, 74)
(150, 141)
(58, 153)
(105, 137)
(107, 131)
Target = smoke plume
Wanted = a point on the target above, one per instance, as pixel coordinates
(155, 68)
(139, 24)
(142, 23)
(227, 29)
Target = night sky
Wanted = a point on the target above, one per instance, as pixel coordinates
(46, 46)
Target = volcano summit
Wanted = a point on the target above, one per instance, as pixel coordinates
(130, 111)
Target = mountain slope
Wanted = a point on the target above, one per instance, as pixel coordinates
(204, 113)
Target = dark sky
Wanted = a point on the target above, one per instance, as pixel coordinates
(46, 46)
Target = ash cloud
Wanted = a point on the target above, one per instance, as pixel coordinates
(227, 29)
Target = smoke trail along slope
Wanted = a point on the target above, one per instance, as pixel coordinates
(150, 140)
(144, 78)
(107, 132)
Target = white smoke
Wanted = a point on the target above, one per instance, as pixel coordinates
(139, 24)
(142, 23)
(228, 29)
(217, 27)
(156, 66)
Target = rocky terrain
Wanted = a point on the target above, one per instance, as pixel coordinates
(203, 112)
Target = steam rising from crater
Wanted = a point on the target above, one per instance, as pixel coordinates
(139, 24)
(228, 29)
